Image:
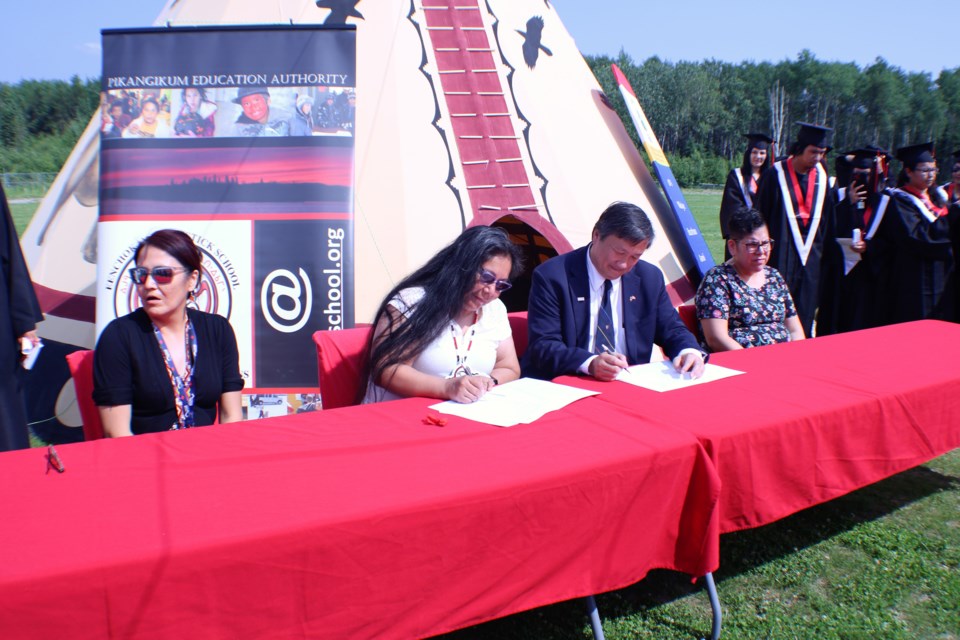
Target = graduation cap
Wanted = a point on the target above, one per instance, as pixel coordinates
(813, 135)
(758, 140)
(956, 156)
(864, 158)
(914, 154)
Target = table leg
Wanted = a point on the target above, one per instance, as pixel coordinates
(714, 605)
(594, 618)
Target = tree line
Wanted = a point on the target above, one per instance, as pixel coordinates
(699, 110)
(41, 120)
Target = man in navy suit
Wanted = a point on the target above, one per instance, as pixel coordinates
(567, 298)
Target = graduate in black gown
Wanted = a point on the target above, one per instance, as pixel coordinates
(794, 198)
(855, 261)
(952, 188)
(742, 182)
(19, 315)
(917, 229)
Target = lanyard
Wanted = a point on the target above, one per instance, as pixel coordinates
(183, 395)
(461, 368)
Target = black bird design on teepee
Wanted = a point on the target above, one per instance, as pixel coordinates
(340, 10)
(531, 42)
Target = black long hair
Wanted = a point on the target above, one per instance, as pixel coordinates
(446, 280)
(746, 168)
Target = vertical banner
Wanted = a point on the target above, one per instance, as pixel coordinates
(243, 138)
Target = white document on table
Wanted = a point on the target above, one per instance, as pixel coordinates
(661, 376)
(519, 402)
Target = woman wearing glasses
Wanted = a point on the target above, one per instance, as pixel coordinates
(917, 230)
(165, 366)
(744, 303)
(442, 332)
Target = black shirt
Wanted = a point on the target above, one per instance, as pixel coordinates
(128, 368)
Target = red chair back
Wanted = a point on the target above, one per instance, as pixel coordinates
(518, 324)
(688, 313)
(81, 369)
(340, 364)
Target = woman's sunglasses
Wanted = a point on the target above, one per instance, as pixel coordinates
(160, 275)
(486, 278)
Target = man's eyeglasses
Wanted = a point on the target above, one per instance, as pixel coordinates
(487, 278)
(756, 247)
(160, 275)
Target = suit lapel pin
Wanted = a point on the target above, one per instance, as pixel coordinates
(633, 298)
(580, 298)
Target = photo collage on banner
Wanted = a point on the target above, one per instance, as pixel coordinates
(243, 138)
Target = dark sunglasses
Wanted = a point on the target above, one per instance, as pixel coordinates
(487, 277)
(160, 275)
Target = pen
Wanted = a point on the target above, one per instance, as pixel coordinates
(607, 349)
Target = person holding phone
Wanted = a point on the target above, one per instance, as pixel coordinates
(856, 260)
(165, 366)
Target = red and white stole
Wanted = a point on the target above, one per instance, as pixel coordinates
(812, 202)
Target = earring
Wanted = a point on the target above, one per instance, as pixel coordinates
(192, 301)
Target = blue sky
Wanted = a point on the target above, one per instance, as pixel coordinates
(57, 39)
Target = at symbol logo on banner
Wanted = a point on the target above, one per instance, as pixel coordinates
(280, 299)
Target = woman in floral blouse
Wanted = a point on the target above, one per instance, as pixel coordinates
(743, 302)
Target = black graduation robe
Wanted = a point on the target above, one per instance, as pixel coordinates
(851, 300)
(19, 313)
(798, 246)
(921, 283)
(735, 195)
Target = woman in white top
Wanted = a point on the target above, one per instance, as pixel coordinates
(443, 332)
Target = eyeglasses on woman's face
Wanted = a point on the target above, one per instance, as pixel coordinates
(753, 246)
(160, 275)
(488, 277)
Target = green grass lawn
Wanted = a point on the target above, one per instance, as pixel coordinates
(881, 562)
(22, 213)
(705, 206)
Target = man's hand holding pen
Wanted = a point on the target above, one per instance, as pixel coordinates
(608, 365)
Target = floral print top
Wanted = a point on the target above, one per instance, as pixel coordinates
(755, 317)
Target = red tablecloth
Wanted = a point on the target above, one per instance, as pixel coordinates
(813, 420)
(353, 523)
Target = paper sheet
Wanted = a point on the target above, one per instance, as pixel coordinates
(850, 257)
(519, 402)
(661, 376)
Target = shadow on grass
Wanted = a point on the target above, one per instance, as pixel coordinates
(740, 552)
